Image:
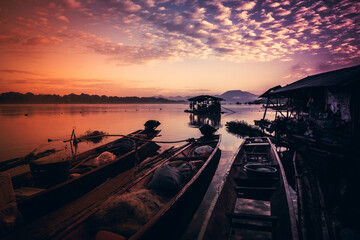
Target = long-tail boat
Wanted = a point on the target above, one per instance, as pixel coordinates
(255, 200)
(54, 182)
(168, 209)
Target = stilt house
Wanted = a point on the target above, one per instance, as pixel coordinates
(329, 100)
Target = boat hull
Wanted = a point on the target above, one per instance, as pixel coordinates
(175, 219)
(252, 207)
(172, 219)
(65, 192)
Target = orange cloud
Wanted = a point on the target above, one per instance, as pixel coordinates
(41, 40)
(63, 18)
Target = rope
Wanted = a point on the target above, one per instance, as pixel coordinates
(8, 164)
(126, 136)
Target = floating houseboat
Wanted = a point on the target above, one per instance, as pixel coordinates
(205, 104)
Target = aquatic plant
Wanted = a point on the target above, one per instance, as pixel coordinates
(93, 136)
(243, 129)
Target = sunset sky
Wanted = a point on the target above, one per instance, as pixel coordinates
(169, 48)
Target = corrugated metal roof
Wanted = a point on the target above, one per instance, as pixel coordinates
(204, 97)
(337, 78)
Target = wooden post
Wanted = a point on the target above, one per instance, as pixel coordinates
(71, 143)
(137, 158)
(300, 198)
(10, 216)
(267, 104)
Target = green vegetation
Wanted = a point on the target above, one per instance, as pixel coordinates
(93, 136)
(258, 101)
(243, 129)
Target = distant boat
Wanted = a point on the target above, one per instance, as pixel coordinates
(255, 200)
(205, 104)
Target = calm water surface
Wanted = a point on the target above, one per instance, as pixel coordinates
(26, 127)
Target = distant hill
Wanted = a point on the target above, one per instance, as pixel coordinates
(176, 98)
(234, 96)
(15, 97)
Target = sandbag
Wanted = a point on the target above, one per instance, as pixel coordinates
(166, 180)
(203, 150)
(186, 169)
(104, 158)
(123, 146)
(126, 213)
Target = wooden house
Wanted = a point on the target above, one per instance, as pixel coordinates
(330, 100)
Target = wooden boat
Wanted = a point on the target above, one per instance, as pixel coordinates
(50, 185)
(255, 200)
(175, 211)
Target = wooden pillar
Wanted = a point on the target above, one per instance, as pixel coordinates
(267, 104)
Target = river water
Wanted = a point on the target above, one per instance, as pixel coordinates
(27, 127)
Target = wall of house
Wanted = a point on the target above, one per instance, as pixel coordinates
(355, 112)
(338, 103)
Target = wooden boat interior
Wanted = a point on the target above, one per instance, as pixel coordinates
(80, 164)
(50, 185)
(186, 155)
(83, 230)
(254, 202)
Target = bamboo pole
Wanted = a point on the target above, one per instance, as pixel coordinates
(301, 211)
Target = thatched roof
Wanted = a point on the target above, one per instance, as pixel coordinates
(338, 78)
(204, 98)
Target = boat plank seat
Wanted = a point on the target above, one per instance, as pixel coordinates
(25, 192)
(257, 144)
(243, 188)
(250, 235)
(259, 193)
(242, 165)
(253, 182)
(192, 158)
(107, 235)
(257, 153)
(252, 217)
(251, 222)
(249, 226)
(257, 158)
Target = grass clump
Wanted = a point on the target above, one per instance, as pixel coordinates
(93, 136)
(243, 129)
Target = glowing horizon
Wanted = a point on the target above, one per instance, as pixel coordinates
(161, 47)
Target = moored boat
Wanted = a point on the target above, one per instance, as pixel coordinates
(157, 205)
(52, 184)
(254, 201)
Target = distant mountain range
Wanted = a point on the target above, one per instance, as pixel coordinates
(232, 96)
(19, 98)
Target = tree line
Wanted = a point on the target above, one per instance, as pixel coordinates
(27, 98)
